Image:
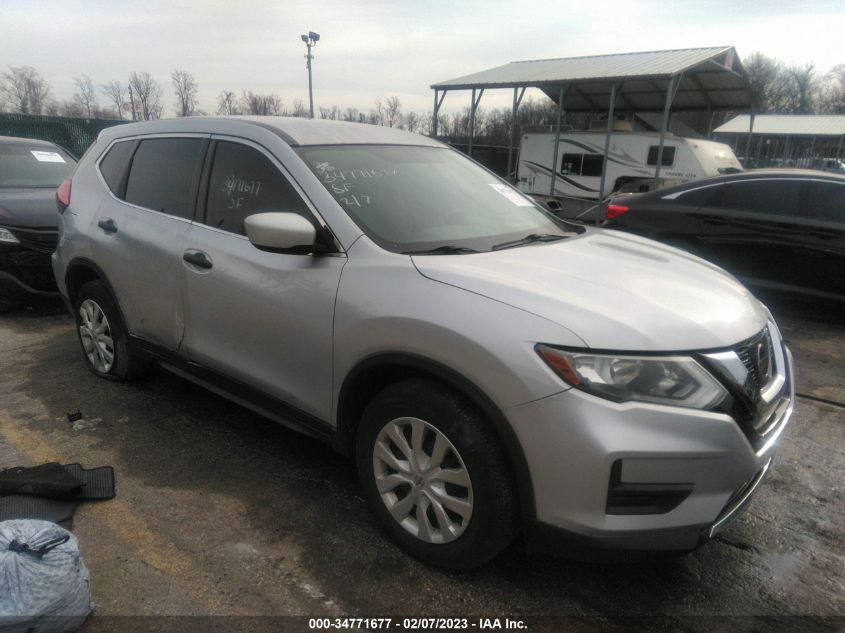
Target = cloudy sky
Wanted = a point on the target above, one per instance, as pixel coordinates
(377, 48)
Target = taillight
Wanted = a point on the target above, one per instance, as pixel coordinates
(63, 195)
(615, 210)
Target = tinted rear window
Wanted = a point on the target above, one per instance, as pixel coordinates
(827, 201)
(114, 164)
(699, 197)
(777, 197)
(23, 165)
(163, 173)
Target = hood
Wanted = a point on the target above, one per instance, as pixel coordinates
(29, 208)
(614, 290)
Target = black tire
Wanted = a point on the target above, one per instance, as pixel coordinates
(493, 522)
(125, 365)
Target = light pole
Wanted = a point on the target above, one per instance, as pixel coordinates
(310, 40)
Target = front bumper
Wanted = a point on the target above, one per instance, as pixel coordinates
(25, 274)
(572, 441)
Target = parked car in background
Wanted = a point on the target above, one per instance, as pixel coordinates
(782, 229)
(491, 367)
(30, 171)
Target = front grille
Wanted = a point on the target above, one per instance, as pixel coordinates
(756, 355)
(749, 371)
(41, 240)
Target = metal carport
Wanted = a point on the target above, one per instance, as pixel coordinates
(829, 129)
(699, 79)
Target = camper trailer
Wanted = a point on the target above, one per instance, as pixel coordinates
(632, 158)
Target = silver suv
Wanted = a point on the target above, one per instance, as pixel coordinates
(491, 368)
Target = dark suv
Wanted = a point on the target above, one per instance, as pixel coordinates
(30, 171)
(780, 229)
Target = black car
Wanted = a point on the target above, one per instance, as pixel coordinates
(30, 171)
(779, 229)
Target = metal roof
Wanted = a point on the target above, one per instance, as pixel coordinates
(787, 124)
(711, 77)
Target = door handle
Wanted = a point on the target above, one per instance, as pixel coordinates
(108, 225)
(197, 258)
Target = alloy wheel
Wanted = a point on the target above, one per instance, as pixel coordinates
(422, 480)
(96, 335)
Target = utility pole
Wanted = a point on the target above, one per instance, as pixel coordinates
(310, 41)
(132, 101)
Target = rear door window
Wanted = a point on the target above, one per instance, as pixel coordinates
(244, 181)
(164, 173)
(827, 201)
(768, 196)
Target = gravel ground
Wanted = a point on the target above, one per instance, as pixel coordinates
(220, 512)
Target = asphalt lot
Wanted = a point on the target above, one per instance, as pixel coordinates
(220, 512)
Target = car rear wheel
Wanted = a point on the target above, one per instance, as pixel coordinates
(104, 339)
(436, 475)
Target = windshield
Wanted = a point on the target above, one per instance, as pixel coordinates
(410, 198)
(24, 165)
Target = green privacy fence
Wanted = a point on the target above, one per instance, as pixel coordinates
(75, 135)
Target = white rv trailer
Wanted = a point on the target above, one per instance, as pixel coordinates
(632, 157)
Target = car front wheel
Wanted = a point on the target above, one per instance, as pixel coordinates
(436, 475)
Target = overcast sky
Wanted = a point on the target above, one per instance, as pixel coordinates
(375, 48)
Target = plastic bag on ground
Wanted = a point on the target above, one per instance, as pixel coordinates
(44, 585)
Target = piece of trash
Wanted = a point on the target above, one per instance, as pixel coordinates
(82, 424)
(73, 417)
(44, 584)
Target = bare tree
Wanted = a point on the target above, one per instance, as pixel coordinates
(351, 114)
(300, 110)
(262, 104)
(185, 87)
(116, 94)
(802, 89)
(24, 89)
(148, 92)
(392, 111)
(332, 113)
(412, 122)
(832, 91)
(227, 103)
(86, 97)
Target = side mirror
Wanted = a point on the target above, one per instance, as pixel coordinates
(281, 232)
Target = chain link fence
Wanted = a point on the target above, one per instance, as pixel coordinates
(73, 134)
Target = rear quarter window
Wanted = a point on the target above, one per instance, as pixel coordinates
(114, 164)
(699, 197)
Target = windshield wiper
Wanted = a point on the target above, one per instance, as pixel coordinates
(530, 239)
(446, 249)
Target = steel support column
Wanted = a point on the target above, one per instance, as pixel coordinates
(560, 99)
(671, 89)
(472, 111)
(437, 104)
(609, 130)
(517, 99)
(750, 134)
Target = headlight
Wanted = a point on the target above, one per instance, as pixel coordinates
(673, 380)
(7, 237)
